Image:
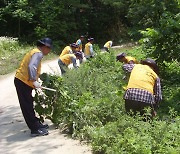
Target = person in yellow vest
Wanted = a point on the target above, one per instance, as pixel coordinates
(79, 43)
(67, 59)
(122, 57)
(69, 49)
(26, 79)
(108, 45)
(89, 52)
(144, 88)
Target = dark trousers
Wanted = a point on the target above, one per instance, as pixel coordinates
(136, 106)
(106, 49)
(62, 66)
(24, 93)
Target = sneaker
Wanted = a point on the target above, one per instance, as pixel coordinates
(41, 125)
(39, 132)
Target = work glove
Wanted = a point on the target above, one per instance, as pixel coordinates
(41, 93)
(37, 84)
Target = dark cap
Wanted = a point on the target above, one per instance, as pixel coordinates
(90, 39)
(74, 45)
(120, 56)
(45, 41)
(150, 62)
(79, 54)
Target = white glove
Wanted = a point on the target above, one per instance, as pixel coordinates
(37, 84)
(41, 93)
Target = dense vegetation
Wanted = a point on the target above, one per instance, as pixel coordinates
(64, 20)
(89, 101)
(89, 105)
(11, 53)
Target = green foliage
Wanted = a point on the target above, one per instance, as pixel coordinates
(163, 42)
(89, 105)
(129, 135)
(11, 53)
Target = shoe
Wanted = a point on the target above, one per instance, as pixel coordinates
(41, 125)
(39, 132)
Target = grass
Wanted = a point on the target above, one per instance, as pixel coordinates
(12, 52)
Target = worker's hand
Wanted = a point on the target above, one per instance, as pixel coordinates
(37, 84)
(41, 93)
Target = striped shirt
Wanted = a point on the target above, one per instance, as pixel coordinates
(141, 94)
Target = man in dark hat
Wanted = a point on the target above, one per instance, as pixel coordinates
(26, 79)
(108, 45)
(68, 59)
(69, 49)
(144, 88)
(122, 57)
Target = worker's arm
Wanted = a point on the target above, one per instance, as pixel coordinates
(33, 65)
(128, 67)
(74, 62)
(91, 50)
(157, 91)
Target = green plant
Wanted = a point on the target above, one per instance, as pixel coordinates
(89, 105)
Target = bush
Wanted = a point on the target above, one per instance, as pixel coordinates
(89, 105)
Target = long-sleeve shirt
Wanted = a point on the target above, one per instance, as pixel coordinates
(33, 65)
(141, 94)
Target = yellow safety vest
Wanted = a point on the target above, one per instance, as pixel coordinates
(67, 59)
(142, 77)
(65, 51)
(129, 58)
(108, 44)
(22, 73)
(87, 49)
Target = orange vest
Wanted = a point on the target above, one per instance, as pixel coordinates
(22, 73)
(67, 59)
(142, 77)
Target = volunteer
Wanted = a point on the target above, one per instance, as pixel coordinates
(68, 59)
(121, 57)
(69, 49)
(144, 88)
(108, 45)
(26, 79)
(79, 43)
(89, 52)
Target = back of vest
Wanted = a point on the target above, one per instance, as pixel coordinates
(67, 59)
(142, 77)
(87, 49)
(22, 73)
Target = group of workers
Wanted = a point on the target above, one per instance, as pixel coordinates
(143, 89)
(73, 52)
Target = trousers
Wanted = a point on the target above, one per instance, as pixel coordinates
(62, 66)
(24, 93)
(136, 106)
